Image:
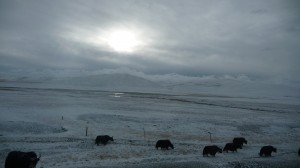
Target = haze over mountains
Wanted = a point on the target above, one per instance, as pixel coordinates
(133, 81)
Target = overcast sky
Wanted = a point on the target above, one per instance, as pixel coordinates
(191, 37)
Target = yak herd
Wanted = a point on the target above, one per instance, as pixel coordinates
(236, 143)
(18, 159)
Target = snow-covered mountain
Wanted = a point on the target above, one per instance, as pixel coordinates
(117, 80)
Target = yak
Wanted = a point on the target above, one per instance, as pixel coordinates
(239, 141)
(103, 139)
(18, 159)
(164, 144)
(267, 150)
(212, 150)
(299, 152)
(230, 147)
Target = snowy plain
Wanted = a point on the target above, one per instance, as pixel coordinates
(50, 116)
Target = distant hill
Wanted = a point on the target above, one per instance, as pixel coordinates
(169, 84)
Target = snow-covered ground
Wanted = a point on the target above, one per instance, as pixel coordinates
(51, 119)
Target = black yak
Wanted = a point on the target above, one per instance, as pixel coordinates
(230, 147)
(18, 159)
(164, 144)
(239, 141)
(103, 139)
(212, 150)
(267, 150)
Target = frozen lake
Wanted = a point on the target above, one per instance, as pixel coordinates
(53, 122)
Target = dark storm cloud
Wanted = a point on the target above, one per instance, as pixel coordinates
(190, 37)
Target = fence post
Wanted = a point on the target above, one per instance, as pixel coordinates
(210, 137)
(86, 128)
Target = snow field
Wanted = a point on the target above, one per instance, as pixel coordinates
(31, 120)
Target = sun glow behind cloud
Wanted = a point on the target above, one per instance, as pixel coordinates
(123, 41)
(118, 39)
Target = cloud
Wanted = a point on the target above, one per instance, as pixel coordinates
(183, 37)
